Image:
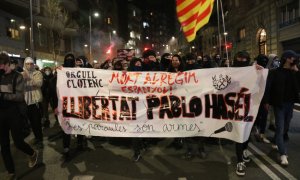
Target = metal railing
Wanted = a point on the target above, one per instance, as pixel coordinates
(290, 22)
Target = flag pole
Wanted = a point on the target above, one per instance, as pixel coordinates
(219, 31)
(224, 29)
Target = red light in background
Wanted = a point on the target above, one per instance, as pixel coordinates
(228, 45)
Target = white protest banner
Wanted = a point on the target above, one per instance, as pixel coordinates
(218, 102)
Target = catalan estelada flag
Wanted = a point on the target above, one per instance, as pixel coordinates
(193, 14)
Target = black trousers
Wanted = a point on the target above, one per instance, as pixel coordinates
(137, 144)
(45, 103)
(199, 141)
(67, 140)
(239, 148)
(261, 119)
(11, 122)
(35, 119)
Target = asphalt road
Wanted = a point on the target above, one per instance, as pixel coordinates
(111, 159)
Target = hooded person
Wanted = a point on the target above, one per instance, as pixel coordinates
(207, 62)
(118, 65)
(262, 115)
(33, 98)
(69, 60)
(165, 61)
(82, 61)
(262, 60)
(193, 143)
(218, 59)
(241, 59)
(282, 92)
(135, 64)
(150, 62)
(274, 61)
(191, 62)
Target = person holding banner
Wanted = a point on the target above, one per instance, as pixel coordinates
(283, 91)
(165, 61)
(138, 144)
(191, 64)
(176, 66)
(150, 62)
(69, 62)
(241, 59)
(262, 115)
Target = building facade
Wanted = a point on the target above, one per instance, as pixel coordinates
(289, 24)
(258, 27)
(252, 27)
(50, 40)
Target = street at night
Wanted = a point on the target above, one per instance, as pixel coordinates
(149, 89)
(111, 158)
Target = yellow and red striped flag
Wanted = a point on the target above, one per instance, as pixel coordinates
(193, 14)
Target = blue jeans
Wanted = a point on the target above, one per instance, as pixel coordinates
(283, 116)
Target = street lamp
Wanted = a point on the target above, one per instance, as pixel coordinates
(22, 27)
(31, 31)
(96, 14)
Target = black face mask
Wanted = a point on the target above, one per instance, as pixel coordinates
(118, 68)
(190, 67)
(240, 63)
(2, 71)
(206, 64)
(69, 63)
(137, 68)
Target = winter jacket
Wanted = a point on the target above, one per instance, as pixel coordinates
(33, 84)
(282, 86)
(11, 89)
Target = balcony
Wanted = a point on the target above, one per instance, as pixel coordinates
(20, 8)
(289, 23)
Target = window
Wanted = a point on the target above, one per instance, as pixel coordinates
(42, 37)
(145, 24)
(236, 3)
(132, 34)
(108, 20)
(13, 33)
(262, 39)
(282, 17)
(242, 33)
(134, 14)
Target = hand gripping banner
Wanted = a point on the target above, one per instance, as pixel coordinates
(218, 102)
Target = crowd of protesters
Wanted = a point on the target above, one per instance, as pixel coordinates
(27, 93)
